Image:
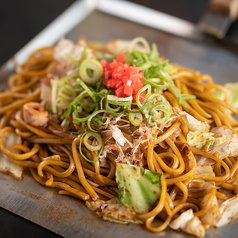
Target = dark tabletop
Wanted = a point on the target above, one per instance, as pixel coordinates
(20, 21)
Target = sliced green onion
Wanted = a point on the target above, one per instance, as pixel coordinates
(79, 98)
(167, 78)
(84, 55)
(184, 105)
(98, 120)
(99, 85)
(142, 40)
(104, 91)
(74, 132)
(90, 71)
(87, 89)
(81, 129)
(119, 100)
(101, 102)
(80, 148)
(158, 81)
(154, 54)
(155, 84)
(170, 69)
(97, 112)
(158, 96)
(145, 106)
(75, 102)
(149, 121)
(77, 120)
(163, 106)
(67, 112)
(54, 84)
(95, 136)
(167, 114)
(73, 59)
(148, 88)
(88, 107)
(187, 96)
(108, 107)
(65, 94)
(106, 56)
(78, 62)
(135, 118)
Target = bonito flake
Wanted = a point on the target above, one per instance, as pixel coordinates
(6, 165)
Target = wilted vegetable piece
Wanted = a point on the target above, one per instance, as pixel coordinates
(112, 211)
(212, 215)
(6, 165)
(229, 211)
(204, 170)
(232, 92)
(230, 146)
(138, 188)
(195, 227)
(204, 140)
(181, 221)
(194, 124)
(188, 223)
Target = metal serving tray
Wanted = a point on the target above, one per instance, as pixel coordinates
(69, 217)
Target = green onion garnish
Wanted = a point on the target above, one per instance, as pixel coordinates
(90, 71)
(99, 146)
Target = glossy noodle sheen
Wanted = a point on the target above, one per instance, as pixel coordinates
(52, 156)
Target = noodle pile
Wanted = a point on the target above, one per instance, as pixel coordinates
(51, 153)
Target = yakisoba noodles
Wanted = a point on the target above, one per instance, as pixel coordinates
(136, 138)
